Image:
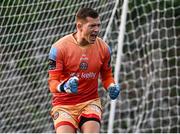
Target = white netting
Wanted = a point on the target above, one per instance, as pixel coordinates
(149, 73)
(28, 29)
(150, 68)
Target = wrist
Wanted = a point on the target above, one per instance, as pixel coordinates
(60, 87)
(111, 85)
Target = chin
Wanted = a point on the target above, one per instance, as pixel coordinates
(91, 42)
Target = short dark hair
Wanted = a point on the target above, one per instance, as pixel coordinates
(86, 12)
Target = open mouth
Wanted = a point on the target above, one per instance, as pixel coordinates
(93, 36)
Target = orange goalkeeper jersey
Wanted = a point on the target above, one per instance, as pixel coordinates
(68, 59)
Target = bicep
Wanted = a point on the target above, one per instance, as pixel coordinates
(106, 71)
(107, 59)
(52, 58)
(55, 59)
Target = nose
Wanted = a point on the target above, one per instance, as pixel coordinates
(96, 29)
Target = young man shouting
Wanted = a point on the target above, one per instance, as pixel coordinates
(75, 63)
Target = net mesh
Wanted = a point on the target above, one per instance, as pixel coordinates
(150, 68)
(28, 29)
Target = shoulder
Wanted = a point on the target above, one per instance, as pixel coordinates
(59, 47)
(101, 41)
(103, 45)
(63, 41)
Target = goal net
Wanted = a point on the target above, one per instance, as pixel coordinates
(150, 67)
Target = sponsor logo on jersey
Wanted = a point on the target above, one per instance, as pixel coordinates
(88, 75)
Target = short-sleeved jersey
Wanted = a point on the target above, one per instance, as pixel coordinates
(68, 59)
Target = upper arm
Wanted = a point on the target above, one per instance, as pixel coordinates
(55, 59)
(107, 59)
(106, 71)
(52, 58)
(109, 56)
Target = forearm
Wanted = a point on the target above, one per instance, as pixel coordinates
(54, 80)
(67, 85)
(107, 78)
(53, 84)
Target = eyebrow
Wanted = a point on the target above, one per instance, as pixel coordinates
(96, 24)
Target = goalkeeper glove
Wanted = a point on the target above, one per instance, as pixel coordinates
(70, 86)
(113, 91)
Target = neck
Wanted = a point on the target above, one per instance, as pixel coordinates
(81, 41)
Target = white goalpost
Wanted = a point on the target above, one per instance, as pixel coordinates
(118, 62)
(145, 42)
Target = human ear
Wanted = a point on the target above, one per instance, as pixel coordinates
(79, 26)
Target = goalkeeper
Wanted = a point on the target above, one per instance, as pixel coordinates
(75, 63)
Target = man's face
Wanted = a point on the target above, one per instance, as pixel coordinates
(90, 29)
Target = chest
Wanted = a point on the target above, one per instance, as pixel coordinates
(83, 59)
